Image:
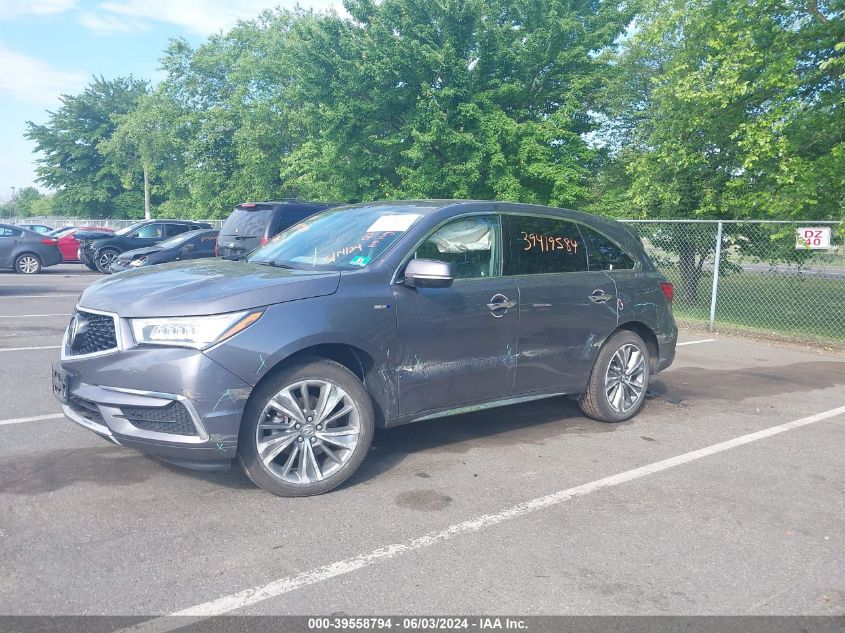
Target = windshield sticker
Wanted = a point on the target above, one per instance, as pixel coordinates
(359, 261)
(393, 223)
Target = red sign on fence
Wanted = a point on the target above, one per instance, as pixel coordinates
(812, 237)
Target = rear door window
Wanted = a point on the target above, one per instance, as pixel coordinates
(538, 246)
(604, 253)
(178, 229)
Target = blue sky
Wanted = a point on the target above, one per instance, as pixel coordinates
(53, 47)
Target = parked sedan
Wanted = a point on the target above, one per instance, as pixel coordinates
(27, 252)
(372, 315)
(193, 245)
(69, 239)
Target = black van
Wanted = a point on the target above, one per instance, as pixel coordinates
(253, 224)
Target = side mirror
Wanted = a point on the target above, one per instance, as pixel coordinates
(428, 273)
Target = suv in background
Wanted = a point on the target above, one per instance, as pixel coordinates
(98, 251)
(253, 224)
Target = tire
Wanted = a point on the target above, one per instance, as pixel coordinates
(601, 401)
(28, 264)
(104, 258)
(301, 455)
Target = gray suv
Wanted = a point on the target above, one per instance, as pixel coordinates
(372, 315)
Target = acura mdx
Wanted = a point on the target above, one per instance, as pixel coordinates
(363, 316)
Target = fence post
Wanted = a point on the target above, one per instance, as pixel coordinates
(716, 278)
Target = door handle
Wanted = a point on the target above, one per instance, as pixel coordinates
(599, 296)
(500, 302)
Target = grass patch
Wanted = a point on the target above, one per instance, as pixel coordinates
(799, 306)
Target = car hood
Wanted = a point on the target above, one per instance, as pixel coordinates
(204, 287)
(149, 250)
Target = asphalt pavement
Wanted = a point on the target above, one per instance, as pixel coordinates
(725, 496)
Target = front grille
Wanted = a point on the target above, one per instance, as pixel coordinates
(86, 409)
(94, 333)
(174, 418)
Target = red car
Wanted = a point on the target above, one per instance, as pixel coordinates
(69, 245)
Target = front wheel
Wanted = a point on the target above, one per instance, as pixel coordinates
(104, 260)
(28, 264)
(619, 379)
(306, 430)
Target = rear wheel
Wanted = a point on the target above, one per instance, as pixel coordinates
(306, 430)
(28, 264)
(104, 259)
(619, 379)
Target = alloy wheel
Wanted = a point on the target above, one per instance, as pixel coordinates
(308, 431)
(105, 260)
(624, 381)
(28, 264)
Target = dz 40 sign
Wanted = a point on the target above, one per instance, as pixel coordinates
(812, 237)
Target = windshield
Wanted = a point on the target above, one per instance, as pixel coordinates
(128, 229)
(177, 240)
(338, 239)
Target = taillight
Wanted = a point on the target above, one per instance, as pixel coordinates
(668, 290)
(50, 241)
(264, 239)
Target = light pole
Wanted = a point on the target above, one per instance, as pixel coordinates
(12, 205)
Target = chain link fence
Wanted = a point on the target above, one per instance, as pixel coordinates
(108, 223)
(728, 275)
(754, 276)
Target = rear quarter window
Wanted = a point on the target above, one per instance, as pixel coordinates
(604, 253)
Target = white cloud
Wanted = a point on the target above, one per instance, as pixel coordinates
(108, 24)
(205, 16)
(33, 80)
(10, 9)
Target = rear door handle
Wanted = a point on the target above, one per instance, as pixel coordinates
(599, 296)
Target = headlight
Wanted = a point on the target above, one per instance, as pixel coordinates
(198, 332)
(138, 261)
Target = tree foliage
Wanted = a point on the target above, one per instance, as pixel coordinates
(69, 143)
(646, 108)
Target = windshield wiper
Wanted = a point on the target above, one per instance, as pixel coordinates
(273, 263)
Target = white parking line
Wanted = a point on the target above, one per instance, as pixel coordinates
(35, 418)
(30, 316)
(276, 588)
(2, 296)
(23, 349)
(705, 340)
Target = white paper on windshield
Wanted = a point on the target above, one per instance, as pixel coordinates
(397, 222)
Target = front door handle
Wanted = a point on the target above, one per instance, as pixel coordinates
(599, 296)
(500, 302)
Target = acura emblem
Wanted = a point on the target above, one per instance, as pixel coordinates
(72, 329)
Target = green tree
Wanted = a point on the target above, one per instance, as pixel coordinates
(448, 98)
(726, 109)
(86, 181)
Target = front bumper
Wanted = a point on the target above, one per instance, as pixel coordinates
(174, 403)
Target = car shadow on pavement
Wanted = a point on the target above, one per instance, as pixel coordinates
(695, 384)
